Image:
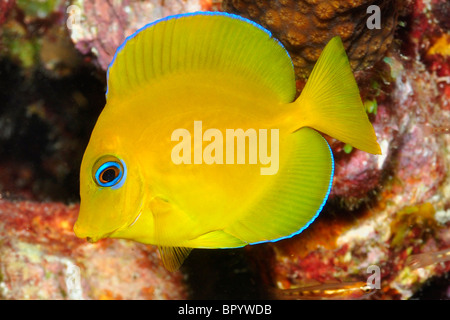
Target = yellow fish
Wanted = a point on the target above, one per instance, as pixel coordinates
(201, 144)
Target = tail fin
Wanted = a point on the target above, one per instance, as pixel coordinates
(330, 101)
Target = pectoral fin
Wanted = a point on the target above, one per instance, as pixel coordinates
(171, 232)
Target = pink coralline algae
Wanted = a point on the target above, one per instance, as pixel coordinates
(100, 27)
(40, 258)
(358, 174)
(5, 8)
(400, 203)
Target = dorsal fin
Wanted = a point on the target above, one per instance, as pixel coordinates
(220, 43)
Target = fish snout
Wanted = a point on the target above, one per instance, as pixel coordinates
(78, 232)
(84, 234)
(92, 239)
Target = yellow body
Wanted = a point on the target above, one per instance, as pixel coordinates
(171, 74)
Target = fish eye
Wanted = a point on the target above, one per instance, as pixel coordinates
(109, 171)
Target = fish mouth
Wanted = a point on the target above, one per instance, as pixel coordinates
(94, 239)
(91, 237)
(116, 233)
(91, 240)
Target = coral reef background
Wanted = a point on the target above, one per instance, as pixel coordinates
(382, 211)
(306, 26)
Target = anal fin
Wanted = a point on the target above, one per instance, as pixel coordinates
(217, 239)
(297, 194)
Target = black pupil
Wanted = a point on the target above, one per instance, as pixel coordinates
(109, 175)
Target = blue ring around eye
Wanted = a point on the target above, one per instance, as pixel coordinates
(122, 178)
(106, 166)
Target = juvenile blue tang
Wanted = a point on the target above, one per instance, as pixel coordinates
(202, 143)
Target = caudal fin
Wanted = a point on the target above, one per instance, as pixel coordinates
(330, 101)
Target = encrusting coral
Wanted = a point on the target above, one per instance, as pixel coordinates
(305, 26)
